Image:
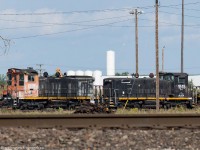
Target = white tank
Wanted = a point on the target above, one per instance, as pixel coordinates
(110, 63)
(88, 73)
(79, 73)
(70, 73)
(97, 77)
(97, 73)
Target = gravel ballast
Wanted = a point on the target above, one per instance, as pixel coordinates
(106, 139)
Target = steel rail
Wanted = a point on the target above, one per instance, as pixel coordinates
(102, 121)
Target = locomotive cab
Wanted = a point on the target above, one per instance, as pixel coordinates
(22, 83)
(179, 83)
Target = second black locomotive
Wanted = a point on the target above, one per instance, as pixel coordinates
(141, 92)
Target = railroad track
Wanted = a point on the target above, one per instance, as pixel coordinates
(102, 121)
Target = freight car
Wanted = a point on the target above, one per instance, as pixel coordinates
(26, 90)
(141, 92)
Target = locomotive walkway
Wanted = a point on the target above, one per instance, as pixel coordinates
(159, 121)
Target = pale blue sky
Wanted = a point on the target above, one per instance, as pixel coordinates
(86, 29)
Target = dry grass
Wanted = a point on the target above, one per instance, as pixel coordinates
(161, 111)
(5, 111)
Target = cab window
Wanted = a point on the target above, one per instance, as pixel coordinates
(31, 78)
(169, 78)
(161, 77)
(21, 79)
(181, 80)
(125, 81)
(9, 79)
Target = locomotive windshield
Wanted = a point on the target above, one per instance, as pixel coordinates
(181, 80)
(9, 78)
(167, 77)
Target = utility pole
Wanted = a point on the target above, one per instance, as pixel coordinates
(182, 36)
(40, 69)
(136, 12)
(163, 58)
(157, 60)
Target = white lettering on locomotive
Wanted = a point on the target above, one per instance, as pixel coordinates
(181, 87)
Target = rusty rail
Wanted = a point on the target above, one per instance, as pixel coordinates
(102, 121)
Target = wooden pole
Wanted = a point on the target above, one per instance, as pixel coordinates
(182, 36)
(157, 61)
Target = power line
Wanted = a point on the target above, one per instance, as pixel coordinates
(88, 26)
(24, 27)
(179, 14)
(67, 30)
(71, 12)
(166, 25)
(174, 7)
(49, 23)
(193, 3)
(94, 26)
(86, 21)
(75, 23)
(68, 12)
(52, 24)
(122, 26)
(72, 23)
(91, 11)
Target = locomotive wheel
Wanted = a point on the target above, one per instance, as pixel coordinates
(121, 105)
(139, 106)
(189, 106)
(167, 106)
(71, 107)
(40, 106)
(23, 107)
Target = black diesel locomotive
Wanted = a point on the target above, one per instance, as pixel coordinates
(26, 90)
(65, 92)
(141, 92)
